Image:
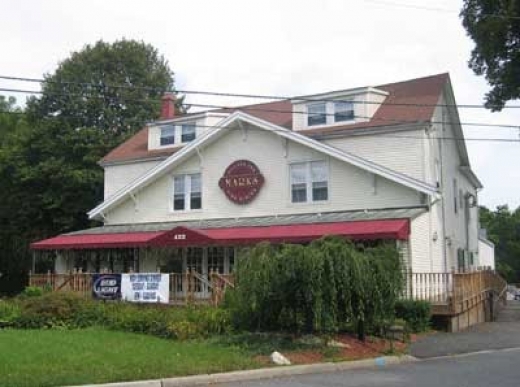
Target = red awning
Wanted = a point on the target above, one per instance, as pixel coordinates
(97, 241)
(297, 233)
(398, 229)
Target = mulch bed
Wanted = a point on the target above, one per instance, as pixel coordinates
(354, 350)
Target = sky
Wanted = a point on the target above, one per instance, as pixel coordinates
(277, 47)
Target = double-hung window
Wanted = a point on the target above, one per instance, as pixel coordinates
(187, 192)
(188, 132)
(317, 114)
(167, 135)
(309, 182)
(343, 111)
(171, 134)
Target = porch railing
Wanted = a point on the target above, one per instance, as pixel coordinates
(454, 289)
(185, 288)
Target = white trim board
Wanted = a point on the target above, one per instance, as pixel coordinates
(237, 121)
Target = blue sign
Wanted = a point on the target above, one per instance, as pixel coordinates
(106, 286)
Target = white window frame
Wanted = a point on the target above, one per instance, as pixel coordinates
(185, 125)
(187, 192)
(178, 129)
(310, 106)
(330, 113)
(309, 181)
(350, 119)
(161, 129)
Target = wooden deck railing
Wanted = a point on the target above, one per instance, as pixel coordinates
(455, 290)
(73, 282)
(185, 288)
(432, 287)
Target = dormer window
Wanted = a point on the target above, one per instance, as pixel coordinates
(188, 132)
(177, 134)
(343, 111)
(317, 114)
(330, 113)
(167, 135)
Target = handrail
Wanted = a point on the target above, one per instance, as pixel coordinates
(226, 281)
(201, 278)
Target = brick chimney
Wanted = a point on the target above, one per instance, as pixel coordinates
(167, 106)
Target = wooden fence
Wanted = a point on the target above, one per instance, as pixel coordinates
(185, 288)
(453, 291)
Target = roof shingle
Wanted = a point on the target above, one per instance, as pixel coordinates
(408, 102)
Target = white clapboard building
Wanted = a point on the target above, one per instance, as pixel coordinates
(372, 164)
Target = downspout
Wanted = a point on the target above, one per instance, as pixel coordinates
(425, 148)
(466, 222)
(443, 193)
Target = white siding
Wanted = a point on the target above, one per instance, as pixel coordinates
(401, 151)
(447, 152)
(118, 176)
(420, 244)
(486, 254)
(350, 188)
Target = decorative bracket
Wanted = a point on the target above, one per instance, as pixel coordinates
(199, 153)
(135, 200)
(285, 147)
(243, 129)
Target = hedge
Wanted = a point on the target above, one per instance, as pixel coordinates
(68, 310)
(417, 314)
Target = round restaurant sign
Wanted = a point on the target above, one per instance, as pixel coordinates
(241, 182)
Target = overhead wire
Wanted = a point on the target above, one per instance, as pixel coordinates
(436, 9)
(263, 109)
(239, 95)
(337, 134)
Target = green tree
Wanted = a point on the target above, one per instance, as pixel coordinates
(494, 26)
(13, 261)
(49, 151)
(503, 226)
(114, 87)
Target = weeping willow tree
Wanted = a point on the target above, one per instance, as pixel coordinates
(326, 286)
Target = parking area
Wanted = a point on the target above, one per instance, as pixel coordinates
(502, 334)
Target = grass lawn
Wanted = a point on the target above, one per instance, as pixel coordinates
(70, 357)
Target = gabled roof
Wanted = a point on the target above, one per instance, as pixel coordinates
(236, 120)
(424, 93)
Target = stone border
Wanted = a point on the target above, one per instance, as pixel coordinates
(264, 373)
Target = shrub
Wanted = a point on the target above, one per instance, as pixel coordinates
(322, 287)
(67, 310)
(32, 291)
(51, 309)
(417, 314)
(9, 312)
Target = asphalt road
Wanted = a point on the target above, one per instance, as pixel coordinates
(502, 334)
(499, 369)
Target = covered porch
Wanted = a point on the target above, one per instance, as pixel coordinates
(199, 256)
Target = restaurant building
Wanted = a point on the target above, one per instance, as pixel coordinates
(383, 163)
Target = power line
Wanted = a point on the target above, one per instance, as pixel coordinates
(336, 135)
(435, 9)
(241, 95)
(261, 109)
